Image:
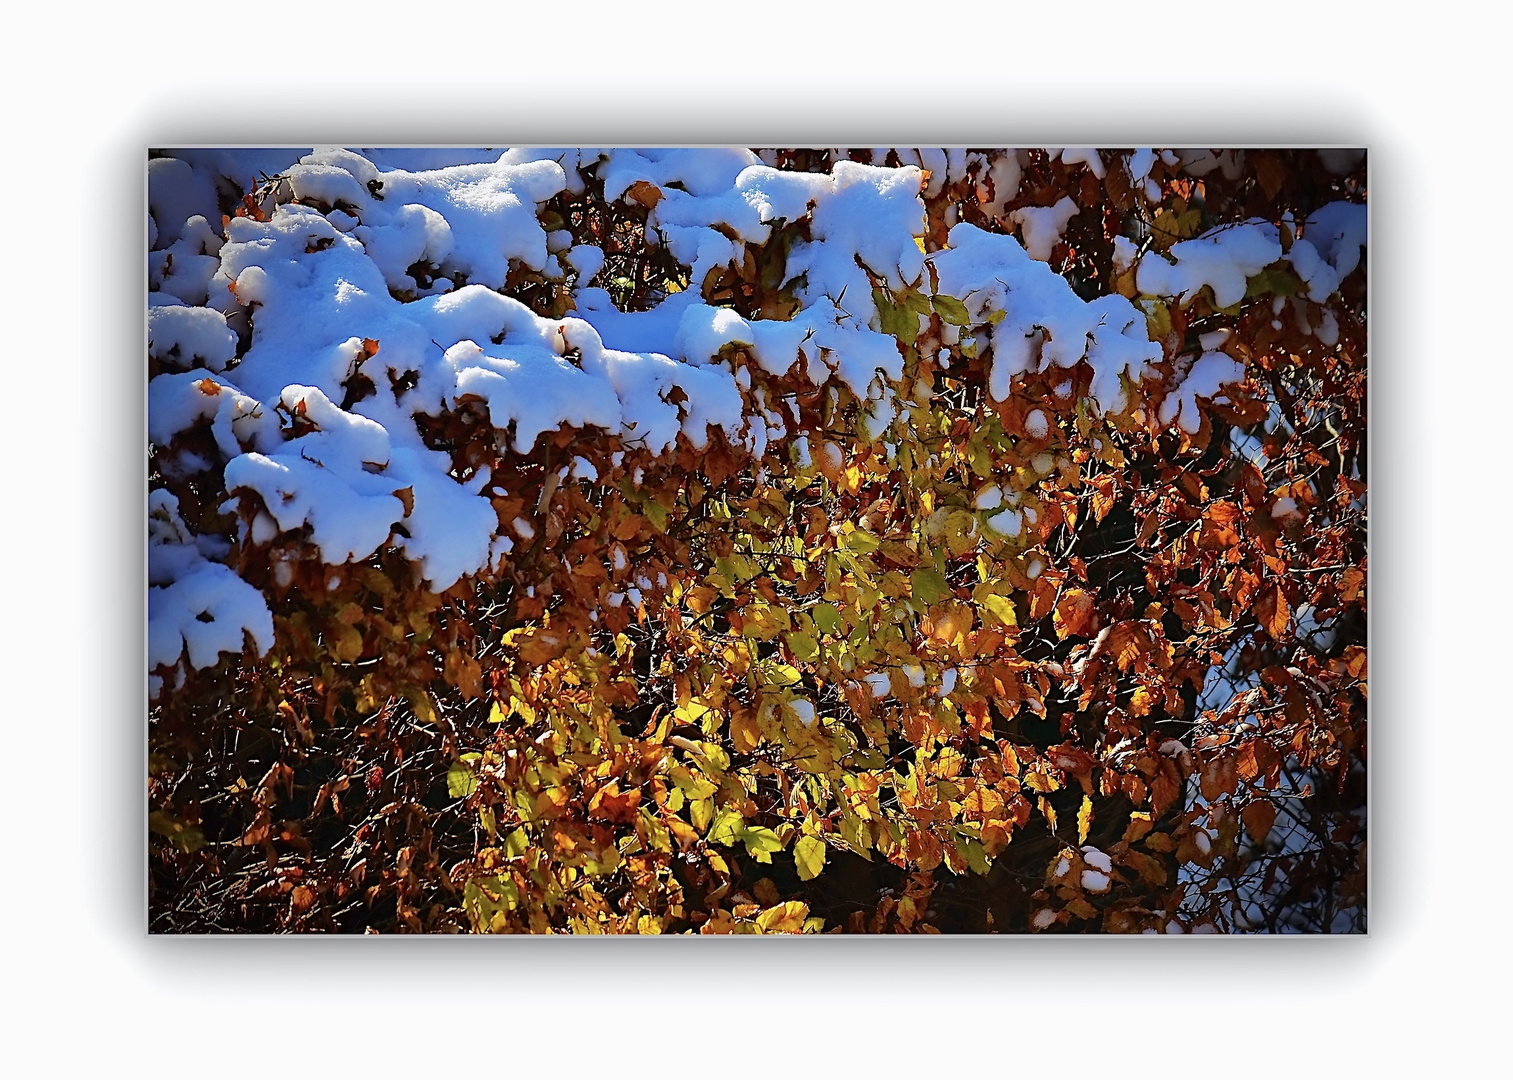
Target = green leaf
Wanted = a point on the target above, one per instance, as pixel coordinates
(828, 618)
(809, 855)
(1158, 318)
(461, 780)
(951, 309)
(803, 645)
(895, 319)
(862, 542)
(1275, 281)
(973, 852)
(779, 674)
(917, 302)
(930, 586)
(761, 843)
(516, 843)
(690, 783)
(727, 827)
(347, 644)
(183, 836)
(856, 835)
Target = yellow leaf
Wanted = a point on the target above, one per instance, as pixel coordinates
(1049, 812)
(784, 918)
(1084, 819)
(1002, 608)
(1140, 824)
(809, 856)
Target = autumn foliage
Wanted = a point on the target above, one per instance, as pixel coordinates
(833, 687)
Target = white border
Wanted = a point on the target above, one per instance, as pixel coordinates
(88, 96)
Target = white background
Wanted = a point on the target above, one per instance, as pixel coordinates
(86, 94)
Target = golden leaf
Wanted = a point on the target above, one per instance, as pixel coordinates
(784, 918)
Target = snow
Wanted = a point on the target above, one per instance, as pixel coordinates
(1042, 226)
(1222, 258)
(1206, 378)
(1046, 323)
(1043, 918)
(1005, 173)
(1086, 156)
(194, 604)
(322, 293)
(319, 480)
(703, 331)
(184, 270)
(182, 337)
(990, 497)
(586, 261)
(1329, 248)
(1007, 522)
(804, 709)
(206, 611)
(878, 682)
(1095, 881)
(474, 219)
(175, 193)
(1097, 859)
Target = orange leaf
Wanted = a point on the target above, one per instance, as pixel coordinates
(744, 731)
(1259, 817)
(1219, 776)
(628, 526)
(1273, 611)
(1103, 496)
(1074, 613)
(645, 192)
(609, 803)
(1245, 763)
(699, 598)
